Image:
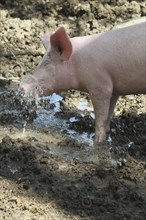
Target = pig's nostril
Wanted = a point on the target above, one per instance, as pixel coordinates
(22, 91)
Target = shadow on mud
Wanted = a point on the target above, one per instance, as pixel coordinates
(25, 9)
(82, 189)
(28, 9)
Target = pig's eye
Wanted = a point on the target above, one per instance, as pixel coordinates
(46, 62)
(48, 54)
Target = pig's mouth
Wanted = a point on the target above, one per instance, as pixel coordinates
(34, 87)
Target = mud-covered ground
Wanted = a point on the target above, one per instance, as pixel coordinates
(49, 168)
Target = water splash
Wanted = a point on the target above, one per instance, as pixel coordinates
(24, 129)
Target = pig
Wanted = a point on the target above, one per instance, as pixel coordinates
(105, 65)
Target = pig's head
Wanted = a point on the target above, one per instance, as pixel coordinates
(51, 73)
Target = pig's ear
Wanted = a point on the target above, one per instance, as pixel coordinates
(61, 47)
(46, 40)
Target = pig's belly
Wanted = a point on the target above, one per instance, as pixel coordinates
(130, 84)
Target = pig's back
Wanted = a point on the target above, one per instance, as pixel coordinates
(124, 53)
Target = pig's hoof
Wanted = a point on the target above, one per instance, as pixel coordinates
(99, 139)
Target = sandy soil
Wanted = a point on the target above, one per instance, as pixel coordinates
(49, 168)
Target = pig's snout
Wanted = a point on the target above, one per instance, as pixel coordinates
(29, 86)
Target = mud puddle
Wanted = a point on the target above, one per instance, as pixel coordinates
(32, 120)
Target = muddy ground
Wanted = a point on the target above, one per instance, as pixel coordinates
(49, 168)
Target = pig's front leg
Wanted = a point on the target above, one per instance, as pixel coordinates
(101, 102)
(111, 111)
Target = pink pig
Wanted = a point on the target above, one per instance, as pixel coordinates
(105, 65)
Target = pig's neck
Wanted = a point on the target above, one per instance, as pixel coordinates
(65, 78)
